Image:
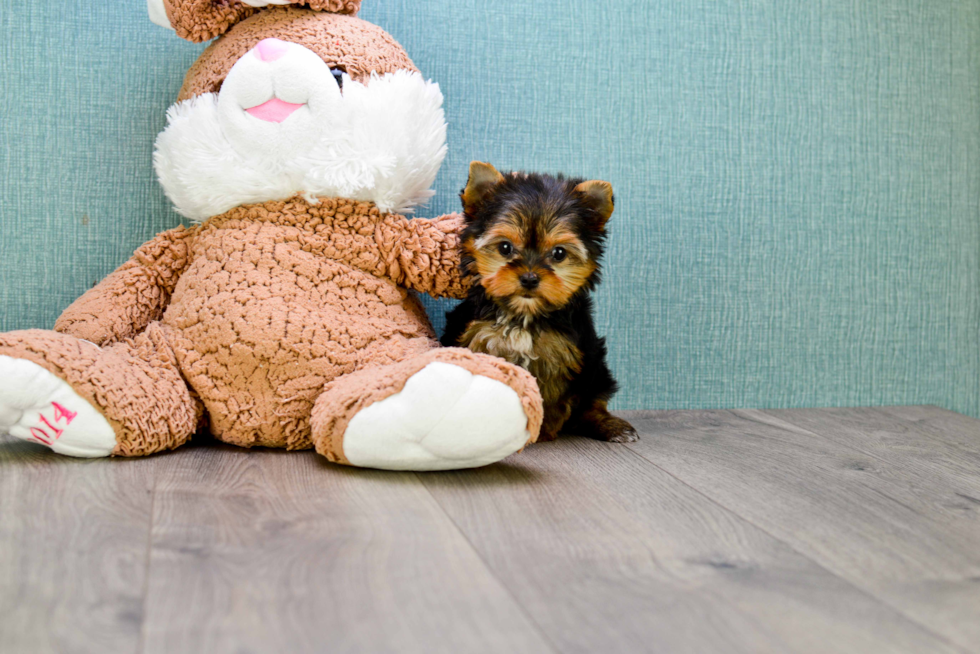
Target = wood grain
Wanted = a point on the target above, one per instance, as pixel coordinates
(931, 468)
(609, 553)
(272, 551)
(955, 432)
(844, 530)
(873, 522)
(74, 535)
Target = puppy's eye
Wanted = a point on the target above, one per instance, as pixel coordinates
(338, 76)
(559, 253)
(505, 249)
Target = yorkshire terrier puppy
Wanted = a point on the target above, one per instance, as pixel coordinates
(532, 245)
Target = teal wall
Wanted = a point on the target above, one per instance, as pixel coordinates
(798, 182)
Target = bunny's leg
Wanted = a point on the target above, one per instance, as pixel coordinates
(127, 399)
(445, 409)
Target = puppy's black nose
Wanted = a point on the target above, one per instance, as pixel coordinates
(530, 280)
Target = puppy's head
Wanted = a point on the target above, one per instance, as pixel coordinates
(533, 241)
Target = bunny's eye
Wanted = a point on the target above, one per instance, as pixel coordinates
(505, 249)
(338, 76)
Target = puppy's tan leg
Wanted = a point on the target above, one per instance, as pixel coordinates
(555, 417)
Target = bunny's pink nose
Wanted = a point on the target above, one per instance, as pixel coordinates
(270, 49)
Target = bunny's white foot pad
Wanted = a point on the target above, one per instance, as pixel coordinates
(445, 418)
(37, 406)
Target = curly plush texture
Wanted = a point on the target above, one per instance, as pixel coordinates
(141, 288)
(136, 384)
(275, 322)
(355, 46)
(265, 306)
(350, 7)
(202, 20)
(345, 397)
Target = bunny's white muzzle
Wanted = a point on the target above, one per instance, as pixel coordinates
(281, 125)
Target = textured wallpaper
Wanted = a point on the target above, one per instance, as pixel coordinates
(798, 183)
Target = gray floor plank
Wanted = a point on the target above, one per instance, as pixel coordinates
(938, 478)
(608, 553)
(74, 541)
(929, 473)
(803, 530)
(873, 523)
(270, 551)
(955, 430)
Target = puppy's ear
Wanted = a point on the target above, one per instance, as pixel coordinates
(598, 195)
(483, 178)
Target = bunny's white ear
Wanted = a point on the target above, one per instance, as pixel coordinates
(158, 13)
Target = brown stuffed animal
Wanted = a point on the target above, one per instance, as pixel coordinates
(286, 316)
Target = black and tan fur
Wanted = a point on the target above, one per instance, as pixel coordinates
(533, 244)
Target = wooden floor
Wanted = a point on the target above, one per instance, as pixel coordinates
(825, 530)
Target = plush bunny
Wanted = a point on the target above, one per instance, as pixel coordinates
(286, 316)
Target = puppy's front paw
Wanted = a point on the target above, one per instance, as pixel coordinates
(628, 436)
(617, 430)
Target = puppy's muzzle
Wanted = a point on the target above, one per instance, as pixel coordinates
(530, 280)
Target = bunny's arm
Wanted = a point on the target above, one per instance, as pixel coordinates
(135, 294)
(423, 254)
